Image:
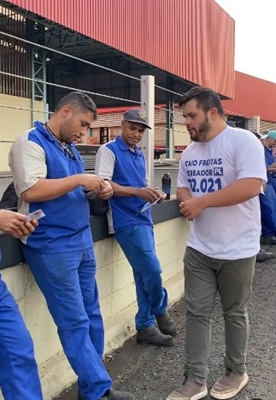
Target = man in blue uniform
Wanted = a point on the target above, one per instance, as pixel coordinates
(269, 143)
(19, 379)
(49, 174)
(268, 218)
(123, 164)
(268, 221)
(268, 200)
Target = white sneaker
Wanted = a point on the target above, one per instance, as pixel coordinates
(190, 390)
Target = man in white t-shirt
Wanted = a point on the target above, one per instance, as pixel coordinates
(219, 180)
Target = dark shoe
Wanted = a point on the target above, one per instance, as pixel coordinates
(190, 390)
(166, 324)
(263, 256)
(151, 335)
(114, 395)
(229, 385)
(271, 240)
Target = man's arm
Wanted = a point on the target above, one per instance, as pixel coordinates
(50, 189)
(183, 194)
(251, 174)
(183, 191)
(236, 193)
(124, 191)
(28, 165)
(15, 224)
(249, 160)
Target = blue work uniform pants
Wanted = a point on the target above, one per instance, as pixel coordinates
(138, 245)
(68, 283)
(273, 182)
(268, 225)
(271, 197)
(19, 379)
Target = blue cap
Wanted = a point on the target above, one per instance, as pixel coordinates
(231, 123)
(136, 115)
(272, 134)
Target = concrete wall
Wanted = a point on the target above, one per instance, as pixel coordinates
(117, 298)
(13, 122)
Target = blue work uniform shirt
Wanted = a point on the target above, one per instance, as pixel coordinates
(129, 170)
(66, 225)
(269, 160)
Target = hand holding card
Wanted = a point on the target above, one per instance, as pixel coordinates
(38, 214)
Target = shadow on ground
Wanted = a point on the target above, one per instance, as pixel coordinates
(152, 373)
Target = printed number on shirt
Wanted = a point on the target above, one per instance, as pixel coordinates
(205, 185)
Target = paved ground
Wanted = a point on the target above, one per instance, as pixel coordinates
(152, 373)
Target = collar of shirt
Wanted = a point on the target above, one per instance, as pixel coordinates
(41, 128)
(123, 146)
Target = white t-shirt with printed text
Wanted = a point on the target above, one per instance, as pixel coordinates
(233, 232)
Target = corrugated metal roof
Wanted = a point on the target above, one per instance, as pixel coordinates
(191, 39)
(104, 110)
(253, 96)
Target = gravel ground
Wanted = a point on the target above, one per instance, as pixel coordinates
(152, 373)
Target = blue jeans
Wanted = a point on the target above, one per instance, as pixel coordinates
(271, 197)
(273, 182)
(137, 243)
(68, 283)
(19, 379)
(268, 225)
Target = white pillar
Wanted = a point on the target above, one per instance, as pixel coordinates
(147, 104)
(46, 112)
(256, 124)
(172, 141)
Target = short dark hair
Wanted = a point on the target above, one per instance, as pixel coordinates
(79, 101)
(206, 99)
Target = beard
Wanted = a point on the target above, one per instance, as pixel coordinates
(67, 131)
(202, 132)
